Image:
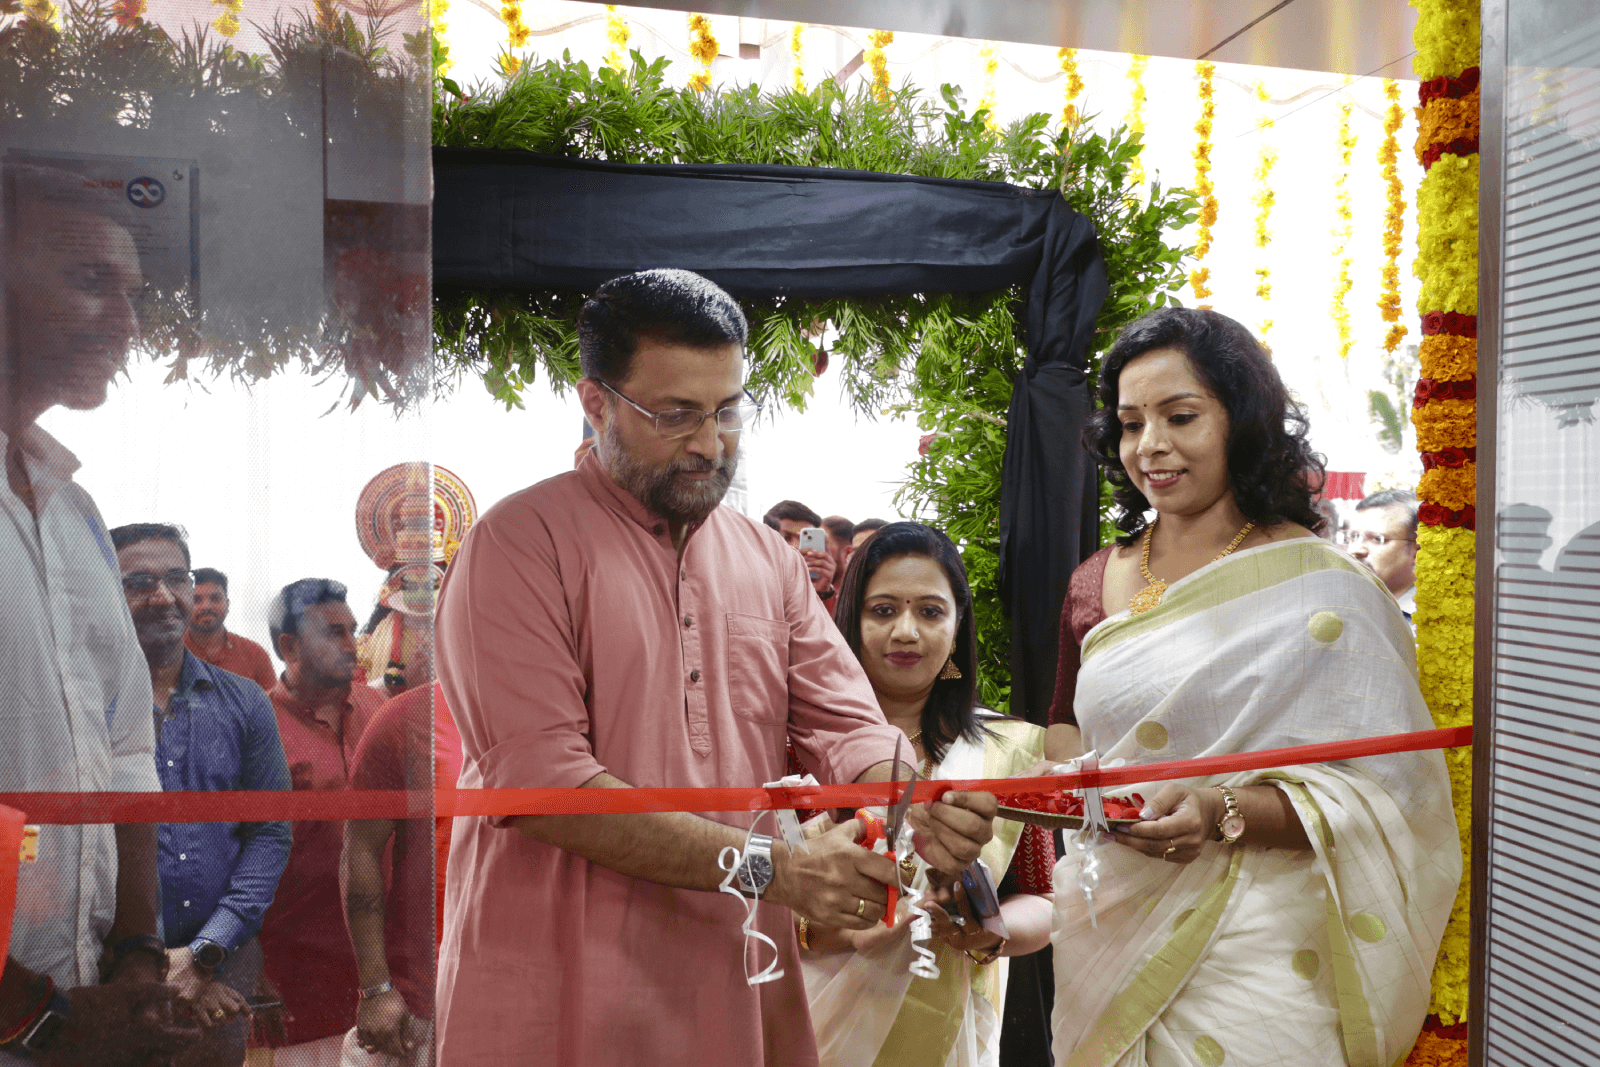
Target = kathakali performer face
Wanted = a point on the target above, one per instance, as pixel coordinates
(684, 478)
(1174, 433)
(908, 625)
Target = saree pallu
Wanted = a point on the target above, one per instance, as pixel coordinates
(870, 1010)
(1254, 956)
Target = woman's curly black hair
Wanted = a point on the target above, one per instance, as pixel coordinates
(1271, 467)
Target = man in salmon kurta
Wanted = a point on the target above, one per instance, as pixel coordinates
(613, 627)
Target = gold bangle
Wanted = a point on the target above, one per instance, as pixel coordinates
(805, 927)
(990, 956)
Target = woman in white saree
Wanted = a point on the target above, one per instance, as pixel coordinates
(1272, 917)
(906, 611)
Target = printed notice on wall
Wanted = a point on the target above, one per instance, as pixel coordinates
(154, 199)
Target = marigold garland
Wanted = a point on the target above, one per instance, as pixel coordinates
(1204, 189)
(1393, 218)
(228, 23)
(878, 62)
(1450, 359)
(1074, 86)
(128, 12)
(434, 12)
(1343, 232)
(1264, 198)
(43, 11)
(797, 78)
(617, 34)
(990, 54)
(517, 32)
(1445, 414)
(703, 49)
(1136, 102)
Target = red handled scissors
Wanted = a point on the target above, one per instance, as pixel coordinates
(875, 829)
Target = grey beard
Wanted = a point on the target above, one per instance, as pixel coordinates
(660, 489)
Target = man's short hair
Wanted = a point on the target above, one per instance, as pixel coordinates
(671, 306)
(202, 575)
(289, 606)
(868, 525)
(134, 532)
(792, 510)
(1389, 498)
(840, 527)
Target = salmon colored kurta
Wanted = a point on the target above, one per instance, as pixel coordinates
(571, 641)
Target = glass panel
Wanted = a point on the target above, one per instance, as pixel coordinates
(1543, 860)
(216, 227)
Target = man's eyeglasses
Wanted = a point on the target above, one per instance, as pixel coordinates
(143, 583)
(684, 422)
(1371, 540)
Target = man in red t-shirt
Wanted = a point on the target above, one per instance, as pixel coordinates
(412, 743)
(321, 718)
(209, 639)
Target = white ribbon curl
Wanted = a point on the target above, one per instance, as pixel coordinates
(730, 859)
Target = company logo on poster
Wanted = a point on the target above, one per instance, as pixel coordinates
(154, 199)
(146, 192)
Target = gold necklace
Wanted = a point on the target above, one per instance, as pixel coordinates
(927, 761)
(1151, 595)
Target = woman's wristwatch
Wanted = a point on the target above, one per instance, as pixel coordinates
(1231, 827)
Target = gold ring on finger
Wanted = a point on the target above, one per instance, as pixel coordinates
(1168, 853)
(219, 1013)
(861, 907)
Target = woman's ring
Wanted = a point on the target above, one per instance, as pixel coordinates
(1168, 853)
(219, 1013)
(861, 907)
(960, 921)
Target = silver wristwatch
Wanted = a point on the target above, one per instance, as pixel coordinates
(755, 873)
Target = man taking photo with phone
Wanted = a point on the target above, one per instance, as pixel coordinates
(802, 530)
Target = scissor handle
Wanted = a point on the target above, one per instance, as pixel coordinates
(872, 828)
(894, 898)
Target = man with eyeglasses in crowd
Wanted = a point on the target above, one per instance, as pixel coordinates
(321, 718)
(214, 731)
(1383, 535)
(614, 627)
(83, 980)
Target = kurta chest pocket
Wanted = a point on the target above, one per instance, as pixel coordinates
(758, 668)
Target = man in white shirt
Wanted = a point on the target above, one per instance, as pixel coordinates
(1383, 535)
(84, 982)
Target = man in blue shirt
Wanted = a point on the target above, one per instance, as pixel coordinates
(214, 731)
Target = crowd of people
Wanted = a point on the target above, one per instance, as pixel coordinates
(615, 627)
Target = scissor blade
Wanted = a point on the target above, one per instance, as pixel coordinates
(897, 814)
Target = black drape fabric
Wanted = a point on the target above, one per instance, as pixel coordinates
(521, 221)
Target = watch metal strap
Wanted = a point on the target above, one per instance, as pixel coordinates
(49, 1025)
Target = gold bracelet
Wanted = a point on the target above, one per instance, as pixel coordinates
(805, 927)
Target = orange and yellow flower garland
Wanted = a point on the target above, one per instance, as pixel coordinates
(1074, 86)
(1264, 198)
(44, 12)
(878, 62)
(1136, 101)
(703, 47)
(1393, 218)
(1343, 232)
(1200, 276)
(1445, 414)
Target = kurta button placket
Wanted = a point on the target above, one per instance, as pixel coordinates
(694, 676)
(688, 620)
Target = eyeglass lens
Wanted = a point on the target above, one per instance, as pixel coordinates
(145, 582)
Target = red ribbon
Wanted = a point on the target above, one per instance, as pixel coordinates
(313, 805)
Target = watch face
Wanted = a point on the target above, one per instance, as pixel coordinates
(211, 954)
(757, 871)
(1232, 827)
